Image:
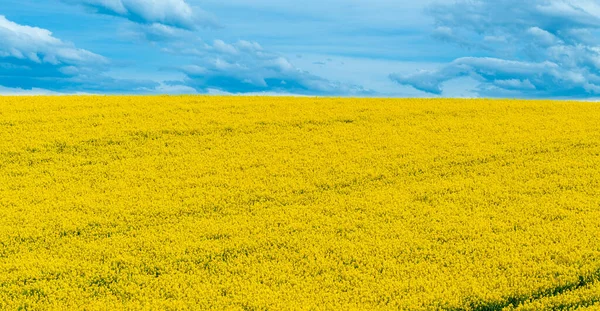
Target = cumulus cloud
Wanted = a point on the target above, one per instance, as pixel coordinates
(545, 78)
(232, 67)
(38, 46)
(170, 13)
(245, 67)
(535, 48)
(32, 58)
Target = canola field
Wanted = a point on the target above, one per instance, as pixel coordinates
(277, 203)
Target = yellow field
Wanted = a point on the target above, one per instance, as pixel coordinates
(266, 203)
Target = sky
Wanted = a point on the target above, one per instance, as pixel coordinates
(363, 48)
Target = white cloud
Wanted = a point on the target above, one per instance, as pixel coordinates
(245, 67)
(542, 36)
(166, 88)
(545, 77)
(515, 84)
(538, 48)
(37, 45)
(223, 47)
(173, 13)
(33, 61)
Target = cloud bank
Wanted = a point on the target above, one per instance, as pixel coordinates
(235, 68)
(157, 14)
(32, 58)
(535, 48)
(38, 46)
(245, 67)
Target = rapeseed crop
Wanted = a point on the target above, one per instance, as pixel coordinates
(275, 203)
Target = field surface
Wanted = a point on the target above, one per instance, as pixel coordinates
(267, 203)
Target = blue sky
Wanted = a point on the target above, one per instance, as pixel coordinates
(426, 48)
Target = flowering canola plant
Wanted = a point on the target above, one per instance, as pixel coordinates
(280, 203)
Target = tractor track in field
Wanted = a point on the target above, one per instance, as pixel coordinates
(519, 300)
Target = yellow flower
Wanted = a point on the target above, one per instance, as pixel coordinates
(279, 203)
